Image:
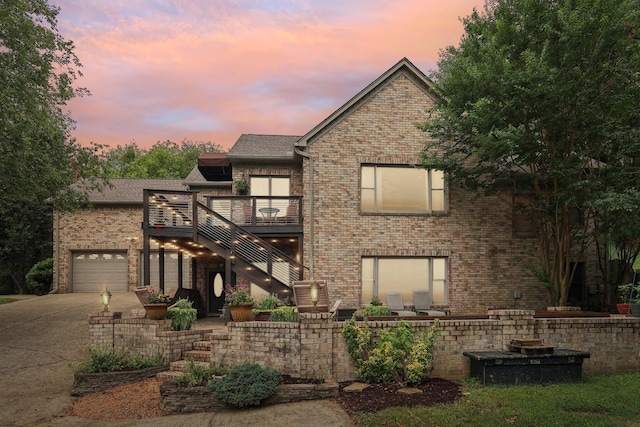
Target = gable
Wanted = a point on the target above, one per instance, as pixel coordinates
(404, 68)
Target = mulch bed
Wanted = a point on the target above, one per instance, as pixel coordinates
(377, 397)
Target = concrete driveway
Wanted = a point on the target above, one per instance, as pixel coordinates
(41, 336)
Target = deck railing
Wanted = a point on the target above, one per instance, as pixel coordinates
(258, 210)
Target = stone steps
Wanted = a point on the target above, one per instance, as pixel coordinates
(202, 354)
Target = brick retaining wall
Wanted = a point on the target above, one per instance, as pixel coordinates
(315, 348)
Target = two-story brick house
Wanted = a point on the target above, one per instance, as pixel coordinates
(342, 203)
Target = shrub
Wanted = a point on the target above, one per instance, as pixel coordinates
(40, 277)
(268, 303)
(247, 384)
(182, 316)
(194, 375)
(284, 314)
(376, 310)
(395, 354)
(112, 360)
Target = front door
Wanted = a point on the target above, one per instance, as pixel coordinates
(215, 292)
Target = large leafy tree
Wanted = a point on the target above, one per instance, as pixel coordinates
(542, 98)
(40, 164)
(165, 159)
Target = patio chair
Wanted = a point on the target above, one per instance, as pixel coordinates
(396, 304)
(422, 304)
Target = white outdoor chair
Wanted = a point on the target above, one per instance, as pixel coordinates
(422, 304)
(396, 305)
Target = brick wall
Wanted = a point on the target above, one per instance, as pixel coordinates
(315, 348)
(486, 263)
(114, 228)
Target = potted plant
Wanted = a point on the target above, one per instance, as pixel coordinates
(265, 306)
(240, 303)
(624, 296)
(156, 306)
(182, 315)
(241, 185)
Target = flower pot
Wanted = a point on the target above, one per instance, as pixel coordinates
(241, 312)
(156, 311)
(623, 308)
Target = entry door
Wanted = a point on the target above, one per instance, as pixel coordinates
(215, 292)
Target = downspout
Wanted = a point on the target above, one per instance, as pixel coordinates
(56, 282)
(310, 204)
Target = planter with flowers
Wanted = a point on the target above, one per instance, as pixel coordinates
(156, 306)
(240, 304)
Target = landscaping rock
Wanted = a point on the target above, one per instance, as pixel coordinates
(185, 400)
(355, 387)
(86, 383)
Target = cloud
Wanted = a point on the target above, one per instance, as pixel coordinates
(211, 70)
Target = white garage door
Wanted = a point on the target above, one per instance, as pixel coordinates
(93, 271)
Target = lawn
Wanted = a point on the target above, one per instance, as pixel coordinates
(6, 300)
(597, 401)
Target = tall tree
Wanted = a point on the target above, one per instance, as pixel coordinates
(544, 96)
(39, 161)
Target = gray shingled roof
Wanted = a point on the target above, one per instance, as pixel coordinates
(129, 190)
(263, 147)
(195, 176)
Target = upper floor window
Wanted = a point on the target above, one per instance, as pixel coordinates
(401, 189)
(269, 186)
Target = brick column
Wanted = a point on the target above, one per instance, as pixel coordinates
(101, 329)
(316, 345)
(515, 324)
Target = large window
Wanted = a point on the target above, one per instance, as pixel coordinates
(271, 186)
(401, 189)
(389, 274)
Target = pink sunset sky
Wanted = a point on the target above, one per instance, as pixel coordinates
(210, 70)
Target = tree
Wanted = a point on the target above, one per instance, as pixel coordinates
(165, 159)
(40, 163)
(541, 98)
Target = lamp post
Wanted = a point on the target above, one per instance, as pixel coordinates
(105, 297)
(313, 295)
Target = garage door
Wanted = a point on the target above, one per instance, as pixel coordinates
(93, 271)
(170, 270)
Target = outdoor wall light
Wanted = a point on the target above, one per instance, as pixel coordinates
(105, 296)
(313, 294)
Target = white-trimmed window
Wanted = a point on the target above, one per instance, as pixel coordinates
(401, 189)
(404, 274)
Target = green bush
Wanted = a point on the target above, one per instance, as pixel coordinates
(182, 316)
(112, 360)
(395, 354)
(247, 384)
(268, 303)
(40, 277)
(194, 375)
(376, 310)
(284, 314)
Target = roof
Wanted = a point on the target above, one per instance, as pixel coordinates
(404, 66)
(263, 147)
(129, 190)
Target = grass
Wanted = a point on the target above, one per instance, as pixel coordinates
(7, 300)
(598, 401)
